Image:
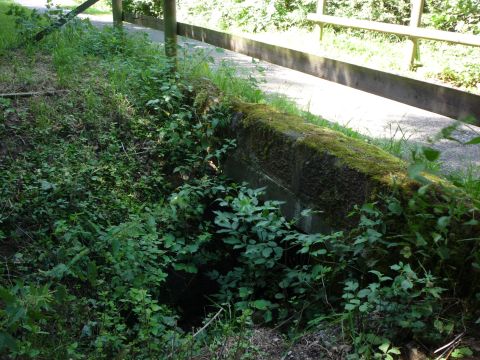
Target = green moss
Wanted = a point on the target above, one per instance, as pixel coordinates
(365, 158)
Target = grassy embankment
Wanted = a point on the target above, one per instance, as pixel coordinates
(118, 234)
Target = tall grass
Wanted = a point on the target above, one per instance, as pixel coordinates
(7, 27)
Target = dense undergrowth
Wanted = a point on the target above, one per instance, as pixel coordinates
(119, 235)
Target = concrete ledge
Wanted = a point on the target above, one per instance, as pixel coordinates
(439, 99)
(307, 166)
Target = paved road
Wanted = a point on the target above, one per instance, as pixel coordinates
(369, 114)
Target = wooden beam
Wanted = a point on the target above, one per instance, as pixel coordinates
(321, 5)
(32, 93)
(170, 22)
(413, 52)
(117, 11)
(64, 19)
(439, 99)
(421, 33)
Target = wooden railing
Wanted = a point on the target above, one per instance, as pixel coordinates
(413, 31)
(443, 100)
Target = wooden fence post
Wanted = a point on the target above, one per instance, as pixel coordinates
(413, 52)
(321, 4)
(117, 11)
(170, 21)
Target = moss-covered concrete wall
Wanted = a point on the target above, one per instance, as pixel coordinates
(308, 166)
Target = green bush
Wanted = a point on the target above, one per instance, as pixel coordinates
(145, 7)
(468, 76)
(390, 11)
(455, 15)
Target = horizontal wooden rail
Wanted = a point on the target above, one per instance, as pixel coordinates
(413, 32)
(439, 99)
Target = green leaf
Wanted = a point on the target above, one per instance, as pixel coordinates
(443, 222)
(261, 304)
(423, 190)
(384, 347)
(473, 141)
(472, 222)
(363, 308)
(244, 292)
(430, 153)
(461, 352)
(406, 284)
(45, 185)
(394, 207)
(350, 307)
(446, 132)
(58, 271)
(420, 240)
(395, 351)
(363, 293)
(267, 252)
(351, 286)
(268, 316)
(189, 268)
(232, 241)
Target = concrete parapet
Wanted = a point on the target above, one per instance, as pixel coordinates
(308, 166)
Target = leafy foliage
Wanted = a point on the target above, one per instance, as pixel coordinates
(255, 16)
(456, 15)
(116, 223)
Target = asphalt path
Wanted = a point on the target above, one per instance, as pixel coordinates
(368, 114)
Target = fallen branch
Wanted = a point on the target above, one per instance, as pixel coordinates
(64, 19)
(448, 348)
(209, 322)
(32, 93)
